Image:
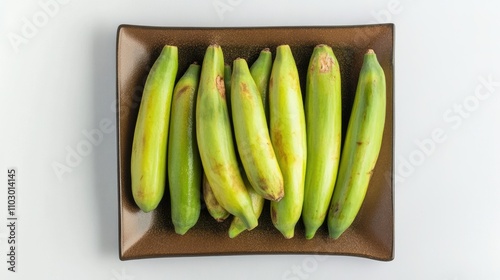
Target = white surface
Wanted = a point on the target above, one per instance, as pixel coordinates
(59, 84)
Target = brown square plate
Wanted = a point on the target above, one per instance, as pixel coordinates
(152, 235)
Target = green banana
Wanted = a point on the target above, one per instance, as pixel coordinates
(215, 140)
(149, 147)
(361, 146)
(214, 208)
(252, 134)
(288, 136)
(261, 71)
(323, 124)
(237, 226)
(183, 160)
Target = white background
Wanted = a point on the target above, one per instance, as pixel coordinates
(57, 82)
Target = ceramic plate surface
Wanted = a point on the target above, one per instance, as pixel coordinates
(152, 235)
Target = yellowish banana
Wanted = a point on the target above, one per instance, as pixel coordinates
(215, 140)
(149, 147)
(252, 134)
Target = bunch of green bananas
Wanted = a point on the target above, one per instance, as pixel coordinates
(234, 135)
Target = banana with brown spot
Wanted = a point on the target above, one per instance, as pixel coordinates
(252, 134)
(215, 140)
(323, 124)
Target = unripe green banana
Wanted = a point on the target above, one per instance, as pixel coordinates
(215, 140)
(261, 72)
(252, 134)
(237, 226)
(361, 146)
(183, 160)
(149, 147)
(288, 136)
(323, 124)
(213, 206)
